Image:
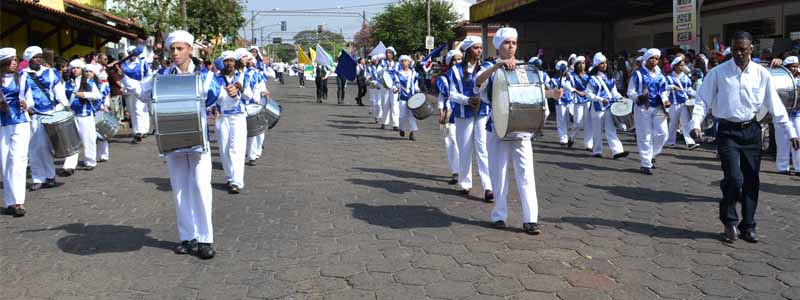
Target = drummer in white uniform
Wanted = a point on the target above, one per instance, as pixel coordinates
(406, 85)
(782, 142)
(391, 108)
(582, 109)
(446, 118)
(83, 99)
(231, 125)
(136, 71)
(15, 133)
(374, 87)
(48, 95)
(603, 92)
(648, 89)
(519, 150)
(563, 105)
(471, 116)
(190, 169)
(679, 86)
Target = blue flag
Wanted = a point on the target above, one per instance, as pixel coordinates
(347, 66)
(435, 53)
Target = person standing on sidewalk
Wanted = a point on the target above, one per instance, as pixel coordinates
(734, 91)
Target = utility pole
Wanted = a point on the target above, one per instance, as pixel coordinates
(252, 25)
(429, 21)
(185, 25)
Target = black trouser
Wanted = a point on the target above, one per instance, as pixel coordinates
(302, 79)
(341, 83)
(739, 148)
(320, 84)
(362, 89)
(280, 76)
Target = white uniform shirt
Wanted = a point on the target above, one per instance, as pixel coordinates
(736, 95)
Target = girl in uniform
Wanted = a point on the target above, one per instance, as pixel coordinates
(15, 132)
(579, 81)
(679, 86)
(563, 105)
(406, 85)
(648, 89)
(84, 94)
(446, 114)
(603, 92)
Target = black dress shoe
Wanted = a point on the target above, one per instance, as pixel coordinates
(598, 155)
(15, 210)
(646, 171)
(205, 251)
(186, 247)
(137, 138)
(749, 235)
(488, 196)
(653, 162)
(49, 183)
(621, 154)
(251, 162)
(411, 137)
(402, 133)
(464, 192)
(35, 187)
(500, 224)
(453, 179)
(66, 172)
(233, 190)
(382, 126)
(570, 142)
(729, 236)
(692, 146)
(531, 228)
(395, 128)
(89, 168)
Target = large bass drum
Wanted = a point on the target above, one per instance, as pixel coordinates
(420, 106)
(518, 101)
(256, 119)
(622, 114)
(62, 133)
(106, 125)
(273, 112)
(786, 85)
(178, 109)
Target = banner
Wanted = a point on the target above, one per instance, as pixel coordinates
(684, 22)
(302, 58)
(313, 54)
(379, 49)
(323, 58)
(346, 66)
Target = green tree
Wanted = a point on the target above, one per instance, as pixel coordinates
(284, 52)
(405, 26)
(157, 17)
(209, 18)
(327, 39)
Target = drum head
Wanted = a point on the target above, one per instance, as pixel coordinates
(387, 78)
(622, 107)
(500, 103)
(787, 89)
(253, 109)
(58, 117)
(417, 101)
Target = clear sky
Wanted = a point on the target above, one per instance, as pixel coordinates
(348, 25)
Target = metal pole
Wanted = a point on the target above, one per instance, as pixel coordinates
(183, 15)
(252, 24)
(429, 21)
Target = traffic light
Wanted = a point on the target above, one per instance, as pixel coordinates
(283, 25)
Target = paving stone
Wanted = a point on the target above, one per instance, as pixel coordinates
(544, 283)
(372, 281)
(500, 287)
(534, 296)
(433, 261)
(674, 275)
(754, 269)
(590, 280)
(759, 284)
(345, 270)
(351, 295)
(582, 294)
(418, 276)
(449, 290)
(512, 270)
(790, 279)
(719, 288)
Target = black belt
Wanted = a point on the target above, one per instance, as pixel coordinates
(737, 125)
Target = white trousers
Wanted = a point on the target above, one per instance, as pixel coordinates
(232, 140)
(604, 121)
(14, 142)
(375, 98)
(190, 178)
(40, 152)
(582, 118)
(407, 120)
(451, 147)
(785, 148)
(521, 155)
(678, 113)
(651, 132)
(562, 121)
(103, 152)
(391, 108)
(471, 134)
(255, 145)
(88, 133)
(71, 162)
(140, 118)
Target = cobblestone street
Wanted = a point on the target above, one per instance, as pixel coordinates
(339, 209)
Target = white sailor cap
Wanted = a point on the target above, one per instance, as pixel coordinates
(30, 52)
(790, 60)
(391, 49)
(179, 36)
(470, 41)
(7, 53)
(676, 61)
(452, 53)
(650, 53)
(502, 35)
(77, 63)
(598, 59)
(227, 55)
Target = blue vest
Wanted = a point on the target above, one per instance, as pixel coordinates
(466, 88)
(136, 70)
(86, 107)
(684, 82)
(557, 83)
(599, 83)
(49, 79)
(392, 70)
(406, 85)
(14, 115)
(217, 87)
(580, 83)
(655, 85)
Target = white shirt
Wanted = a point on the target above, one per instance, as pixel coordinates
(737, 96)
(279, 67)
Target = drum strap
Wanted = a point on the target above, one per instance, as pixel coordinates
(602, 84)
(36, 80)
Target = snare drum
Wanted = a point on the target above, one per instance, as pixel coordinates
(256, 120)
(106, 125)
(518, 101)
(420, 106)
(62, 133)
(622, 113)
(178, 111)
(273, 112)
(784, 82)
(386, 78)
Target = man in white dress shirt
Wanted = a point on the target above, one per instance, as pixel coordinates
(734, 91)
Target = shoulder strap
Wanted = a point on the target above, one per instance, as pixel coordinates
(36, 80)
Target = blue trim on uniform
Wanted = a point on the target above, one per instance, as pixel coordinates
(466, 88)
(13, 115)
(655, 85)
(49, 79)
(610, 83)
(684, 82)
(580, 83)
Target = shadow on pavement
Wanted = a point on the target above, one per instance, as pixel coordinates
(408, 216)
(372, 136)
(401, 187)
(403, 174)
(162, 184)
(581, 166)
(98, 239)
(710, 167)
(780, 189)
(650, 195)
(350, 127)
(349, 122)
(351, 117)
(637, 227)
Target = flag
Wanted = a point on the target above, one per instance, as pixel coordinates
(313, 54)
(346, 67)
(323, 58)
(426, 62)
(302, 58)
(379, 49)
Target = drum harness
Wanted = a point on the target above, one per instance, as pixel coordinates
(39, 84)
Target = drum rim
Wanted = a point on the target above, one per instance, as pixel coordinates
(496, 112)
(795, 86)
(417, 95)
